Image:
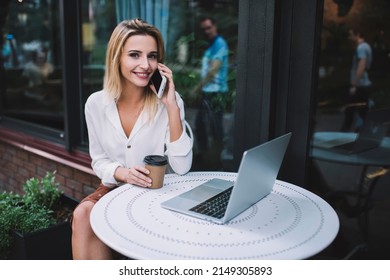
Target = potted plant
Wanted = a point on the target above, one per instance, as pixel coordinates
(36, 225)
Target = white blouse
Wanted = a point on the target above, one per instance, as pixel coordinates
(110, 148)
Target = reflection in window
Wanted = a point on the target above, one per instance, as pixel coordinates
(336, 60)
(349, 36)
(179, 22)
(354, 34)
(31, 57)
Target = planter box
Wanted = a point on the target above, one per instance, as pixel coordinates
(53, 243)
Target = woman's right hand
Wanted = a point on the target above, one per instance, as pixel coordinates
(136, 175)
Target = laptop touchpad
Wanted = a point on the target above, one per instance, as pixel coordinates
(201, 193)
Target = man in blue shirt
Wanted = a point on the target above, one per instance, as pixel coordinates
(213, 88)
(360, 83)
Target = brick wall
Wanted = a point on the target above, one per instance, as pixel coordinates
(18, 165)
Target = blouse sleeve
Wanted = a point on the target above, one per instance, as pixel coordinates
(102, 165)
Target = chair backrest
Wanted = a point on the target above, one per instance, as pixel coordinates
(191, 134)
(189, 131)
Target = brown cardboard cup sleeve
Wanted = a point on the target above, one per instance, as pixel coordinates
(157, 165)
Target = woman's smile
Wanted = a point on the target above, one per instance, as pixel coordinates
(142, 75)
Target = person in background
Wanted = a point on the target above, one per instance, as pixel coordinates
(38, 69)
(9, 52)
(212, 89)
(37, 72)
(126, 122)
(360, 83)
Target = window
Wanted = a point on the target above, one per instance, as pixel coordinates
(338, 112)
(31, 57)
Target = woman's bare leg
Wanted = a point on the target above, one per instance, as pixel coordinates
(85, 244)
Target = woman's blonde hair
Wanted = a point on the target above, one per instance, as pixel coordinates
(113, 77)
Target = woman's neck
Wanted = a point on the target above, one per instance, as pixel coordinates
(132, 95)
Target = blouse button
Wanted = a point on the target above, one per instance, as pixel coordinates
(128, 146)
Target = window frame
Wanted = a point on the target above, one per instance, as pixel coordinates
(278, 78)
(70, 17)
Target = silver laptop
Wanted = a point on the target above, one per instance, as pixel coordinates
(220, 200)
(370, 135)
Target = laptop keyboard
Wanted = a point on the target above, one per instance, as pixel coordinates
(214, 206)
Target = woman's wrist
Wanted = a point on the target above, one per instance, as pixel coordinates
(174, 122)
(173, 111)
(121, 174)
(173, 108)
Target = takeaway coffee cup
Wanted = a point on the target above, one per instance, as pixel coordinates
(156, 165)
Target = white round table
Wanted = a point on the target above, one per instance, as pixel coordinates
(289, 223)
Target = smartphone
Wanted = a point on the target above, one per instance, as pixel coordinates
(159, 81)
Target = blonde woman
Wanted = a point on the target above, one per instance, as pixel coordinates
(126, 121)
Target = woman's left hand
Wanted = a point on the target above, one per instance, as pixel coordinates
(169, 100)
(169, 97)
